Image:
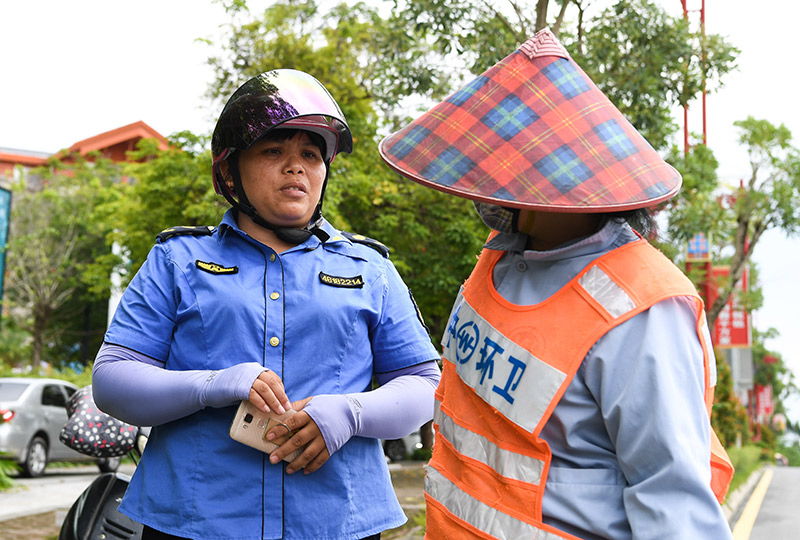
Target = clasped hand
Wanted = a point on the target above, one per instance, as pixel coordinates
(267, 393)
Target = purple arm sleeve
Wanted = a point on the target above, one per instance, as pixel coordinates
(402, 403)
(137, 389)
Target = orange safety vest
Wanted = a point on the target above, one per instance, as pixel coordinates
(505, 369)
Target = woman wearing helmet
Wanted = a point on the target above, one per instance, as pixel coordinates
(277, 307)
(585, 346)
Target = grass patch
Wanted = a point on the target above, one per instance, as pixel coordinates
(414, 528)
(7, 468)
(745, 460)
(792, 453)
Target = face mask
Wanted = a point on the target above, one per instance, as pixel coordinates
(496, 217)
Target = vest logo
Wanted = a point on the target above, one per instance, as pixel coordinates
(494, 366)
(355, 282)
(214, 268)
(468, 337)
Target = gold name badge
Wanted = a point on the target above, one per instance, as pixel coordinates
(214, 268)
(355, 282)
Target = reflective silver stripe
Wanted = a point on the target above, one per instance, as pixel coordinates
(480, 515)
(606, 292)
(506, 463)
(505, 375)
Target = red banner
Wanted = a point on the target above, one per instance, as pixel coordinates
(764, 407)
(732, 327)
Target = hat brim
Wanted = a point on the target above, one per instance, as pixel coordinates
(533, 132)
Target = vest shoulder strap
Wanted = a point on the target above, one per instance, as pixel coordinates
(645, 272)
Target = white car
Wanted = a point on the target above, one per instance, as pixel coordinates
(32, 413)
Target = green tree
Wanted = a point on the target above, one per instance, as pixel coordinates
(53, 237)
(163, 188)
(647, 62)
(737, 217)
(728, 415)
(696, 208)
(771, 370)
(474, 35)
(766, 200)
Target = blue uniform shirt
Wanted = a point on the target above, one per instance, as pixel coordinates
(324, 317)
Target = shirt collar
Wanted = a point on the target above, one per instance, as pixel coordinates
(613, 232)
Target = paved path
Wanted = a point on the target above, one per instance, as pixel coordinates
(773, 510)
(56, 490)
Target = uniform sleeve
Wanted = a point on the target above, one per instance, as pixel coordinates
(129, 379)
(402, 403)
(135, 388)
(648, 377)
(145, 318)
(399, 338)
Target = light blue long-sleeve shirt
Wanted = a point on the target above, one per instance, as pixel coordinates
(630, 436)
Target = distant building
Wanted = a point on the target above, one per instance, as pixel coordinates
(112, 144)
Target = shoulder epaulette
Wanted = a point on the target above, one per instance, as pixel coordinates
(203, 230)
(374, 244)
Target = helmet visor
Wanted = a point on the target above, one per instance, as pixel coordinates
(272, 98)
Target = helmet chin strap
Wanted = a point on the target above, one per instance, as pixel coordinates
(287, 234)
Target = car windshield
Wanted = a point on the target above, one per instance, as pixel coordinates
(10, 391)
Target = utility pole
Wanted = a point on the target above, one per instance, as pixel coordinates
(702, 12)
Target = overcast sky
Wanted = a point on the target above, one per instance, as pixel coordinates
(74, 69)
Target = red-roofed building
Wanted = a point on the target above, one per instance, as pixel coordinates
(112, 144)
(9, 158)
(115, 143)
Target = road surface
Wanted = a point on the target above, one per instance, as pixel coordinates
(54, 491)
(773, 510)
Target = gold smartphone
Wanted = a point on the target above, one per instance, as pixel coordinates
(250, 426)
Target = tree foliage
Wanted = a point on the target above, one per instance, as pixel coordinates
(736, 217)
(728, 415)
(53, 238)
(647, 62)
(771, 370)
(163, 188)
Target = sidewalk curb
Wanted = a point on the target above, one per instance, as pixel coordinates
(736, 501)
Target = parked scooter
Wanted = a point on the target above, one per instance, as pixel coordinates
(95, 514)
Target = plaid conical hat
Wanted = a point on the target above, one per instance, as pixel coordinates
(533, 132)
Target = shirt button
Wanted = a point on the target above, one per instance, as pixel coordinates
(522, 266)
(274, 341)
(275, 296)
(271, 257)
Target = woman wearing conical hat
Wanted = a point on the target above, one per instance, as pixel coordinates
(578, 368)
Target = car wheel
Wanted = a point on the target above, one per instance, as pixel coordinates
(110, 464)
(36, 459)
(395, 450)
